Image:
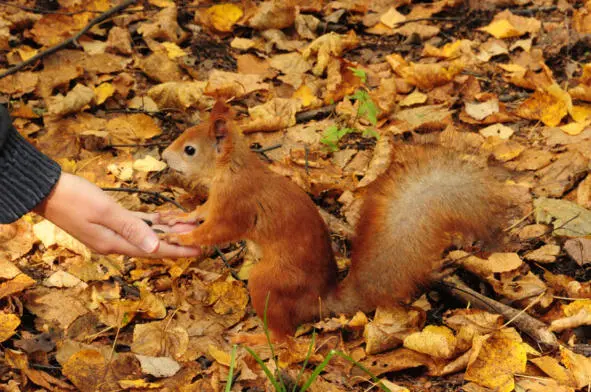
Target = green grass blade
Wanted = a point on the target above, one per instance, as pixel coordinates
(308, 355)
(231, 371)
(278, 387)
(331, 354)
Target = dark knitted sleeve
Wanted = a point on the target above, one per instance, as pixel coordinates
(26, 175)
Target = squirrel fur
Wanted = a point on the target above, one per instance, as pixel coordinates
(425, 200)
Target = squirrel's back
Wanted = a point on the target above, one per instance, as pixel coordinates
(427, 200)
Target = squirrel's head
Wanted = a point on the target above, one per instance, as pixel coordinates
(199, 149)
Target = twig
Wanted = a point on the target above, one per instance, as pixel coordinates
(42, 11)
(152, 193)
(431, 19)
(70, 40)
(522, 321)
(315, 114)
(532, 11)
(227, 264)
(263, 150)
(153, 144)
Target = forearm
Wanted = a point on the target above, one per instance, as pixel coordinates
(26, 175)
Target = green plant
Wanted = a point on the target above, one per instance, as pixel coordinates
(231, 370)
(366, 109)
(278, 383)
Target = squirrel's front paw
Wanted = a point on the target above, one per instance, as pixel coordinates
(183, 239)
(172, 217)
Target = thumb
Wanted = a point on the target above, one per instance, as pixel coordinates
(136, 232)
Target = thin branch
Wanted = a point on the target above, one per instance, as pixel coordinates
(431, 19)
(151, 193)
(153, 144)
(315, 114)
(42, 11)
(70, 40)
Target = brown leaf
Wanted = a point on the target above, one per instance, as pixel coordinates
(273, 14)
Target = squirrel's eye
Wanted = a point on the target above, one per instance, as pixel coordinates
(190, 150)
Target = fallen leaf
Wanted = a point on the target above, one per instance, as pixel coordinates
(223, 17)
(436, 341)
(180, 95)
(499, 130)
(495, 359)
(568, 218)
(149, 164)
(158, 366)
(506, 25)
(8, 324)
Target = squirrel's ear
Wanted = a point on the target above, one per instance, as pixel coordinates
(220, 128)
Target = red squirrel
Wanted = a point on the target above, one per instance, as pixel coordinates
(410, 216)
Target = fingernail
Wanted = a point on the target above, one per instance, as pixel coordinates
(149, 244)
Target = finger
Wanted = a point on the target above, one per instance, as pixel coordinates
(110, 242)
(174, 251)
(105, 241)
(133, 230)
(146, 216)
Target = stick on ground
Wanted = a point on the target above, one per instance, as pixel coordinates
(70, 40)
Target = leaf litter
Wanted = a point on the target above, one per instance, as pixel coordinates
(516, 81)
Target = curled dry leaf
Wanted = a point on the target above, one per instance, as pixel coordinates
(327, 46)
(274, 14)
(74, 101)
(160, 339)
(436, 341)
(16, 240)
(390, 327)
(49, 234)
(180, 95)
(149, 164)
(507, 25)
(230, 84)
(164, 26)
(275, 114)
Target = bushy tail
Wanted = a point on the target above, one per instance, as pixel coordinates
(426, 201)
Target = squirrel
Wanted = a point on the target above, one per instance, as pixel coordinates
(411, 214)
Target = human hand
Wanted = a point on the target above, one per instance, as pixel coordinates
(89, 214)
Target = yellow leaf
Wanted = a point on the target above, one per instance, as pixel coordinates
(574, 128)
(102, 92)
(452, 49)
(220, 356)
(8, 324)
(305, 94)
(581, 113)
(437, 341)
(576, 306)
(416, 97)
(138, 384)
(26, 52)
(162, 3)
(224, 16)
(495, 359)
(579, 365)
(549, 105)
(501, 29)
(173, 50)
